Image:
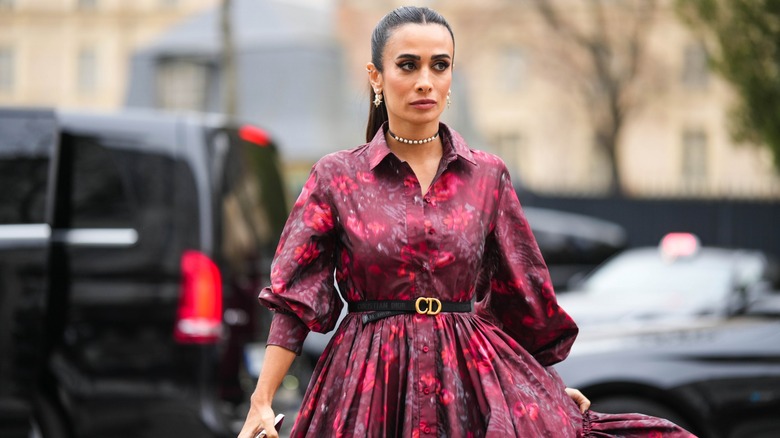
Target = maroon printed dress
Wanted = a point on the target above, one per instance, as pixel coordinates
(362, 215)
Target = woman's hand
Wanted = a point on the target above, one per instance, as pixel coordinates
(259, 418)
(276, 364)
(579, 398)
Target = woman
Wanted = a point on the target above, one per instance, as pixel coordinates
(416, 225)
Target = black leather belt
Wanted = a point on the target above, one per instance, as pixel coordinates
(422, 305)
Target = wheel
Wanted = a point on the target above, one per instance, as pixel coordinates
(629, 404)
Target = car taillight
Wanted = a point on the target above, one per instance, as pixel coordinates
(199, 319)
(253, 134)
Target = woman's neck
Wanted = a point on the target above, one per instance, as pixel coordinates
(414, 131)
(415, 152)
(415, 143)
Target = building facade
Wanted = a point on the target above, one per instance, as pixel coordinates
(75, 53)
(531, 97)
(519, 86)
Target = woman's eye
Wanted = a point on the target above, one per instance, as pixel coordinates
(408, 66)
(441, 66)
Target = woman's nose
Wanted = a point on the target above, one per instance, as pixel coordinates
(424, 81)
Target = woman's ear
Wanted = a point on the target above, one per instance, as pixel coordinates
(374, 77)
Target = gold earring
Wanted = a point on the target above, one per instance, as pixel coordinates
(377, 98)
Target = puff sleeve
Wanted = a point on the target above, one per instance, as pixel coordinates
(302, 292)
(514, 289)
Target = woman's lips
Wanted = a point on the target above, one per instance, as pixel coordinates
(424, 104)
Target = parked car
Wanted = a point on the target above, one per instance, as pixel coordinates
(718, 378)
(132, 247)
(678, 279)
(682, 332)
(573, 244)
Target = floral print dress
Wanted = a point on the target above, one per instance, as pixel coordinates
(362, 216)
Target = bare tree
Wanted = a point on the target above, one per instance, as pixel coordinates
(602, 46)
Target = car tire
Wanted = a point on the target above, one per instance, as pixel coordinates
(46, 421)
(629, 404)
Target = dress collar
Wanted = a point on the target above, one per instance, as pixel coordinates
(453, 144)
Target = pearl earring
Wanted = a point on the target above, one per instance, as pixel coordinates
(449, 101)
(377, 98)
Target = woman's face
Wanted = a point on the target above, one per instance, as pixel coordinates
(417, 74)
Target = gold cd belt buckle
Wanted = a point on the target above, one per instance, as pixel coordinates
(428, 304)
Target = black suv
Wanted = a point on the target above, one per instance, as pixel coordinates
(132, 247)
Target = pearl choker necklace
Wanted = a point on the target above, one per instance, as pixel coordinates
(407, 141)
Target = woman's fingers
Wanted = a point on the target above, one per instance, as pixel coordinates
(257, 421)
(579, 398)
(267, 422)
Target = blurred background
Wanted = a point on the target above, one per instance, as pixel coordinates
(621, 121)
(580, 98)
(584, 100)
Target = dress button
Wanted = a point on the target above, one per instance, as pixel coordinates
(431, 231)
(427, 200)
(425, 349)
(427, 429)
(426, 391)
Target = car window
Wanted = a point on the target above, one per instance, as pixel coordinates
(645, 275)
(749, 269)
(99, 196)
(26, 144)
(772, 274)
(250, 199)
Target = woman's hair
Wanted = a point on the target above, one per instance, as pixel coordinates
(403, 15)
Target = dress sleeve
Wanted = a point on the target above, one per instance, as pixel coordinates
(302, 292)
(515, 291)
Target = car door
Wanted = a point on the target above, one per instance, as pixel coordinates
(28, 145)
(118, 361)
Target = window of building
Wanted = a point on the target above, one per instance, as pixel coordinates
(513, 70)
(87, 70)
(6, 69)
(694, 156)
(87, 4)
(509, 146)
(598, 167)
(696, 73)
(182, 84)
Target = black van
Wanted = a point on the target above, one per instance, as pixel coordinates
(132, 247)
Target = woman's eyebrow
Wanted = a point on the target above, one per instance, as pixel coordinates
(417, 57)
